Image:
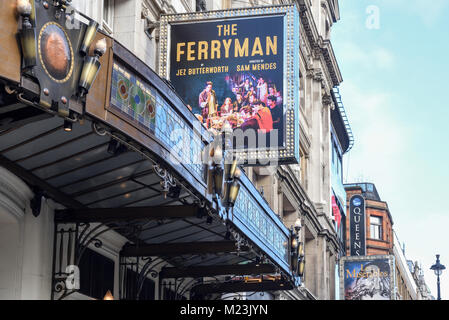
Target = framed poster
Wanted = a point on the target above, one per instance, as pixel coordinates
(367, 278)
(238, 70)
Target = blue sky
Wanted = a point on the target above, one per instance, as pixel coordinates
(395, 93)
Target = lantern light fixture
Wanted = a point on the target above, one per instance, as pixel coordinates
(233, 193)
(27, 34)
(301, 268)
(218, 180)
(294, 243)
(438, 270)
(218, 155)
(89, 36)
(301, 250)
(91, 67)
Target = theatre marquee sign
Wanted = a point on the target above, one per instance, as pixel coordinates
(238, 70)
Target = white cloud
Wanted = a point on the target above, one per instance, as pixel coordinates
(429, 12)
(373, 58)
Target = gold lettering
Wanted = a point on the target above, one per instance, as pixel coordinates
(190, 51)
(234, 29)
(227, 30)
(349, 274)
(203, 46)
(215, 49)
(273, 45)
(227, 46)
(179, 52)
(257, 48)
(219, 29)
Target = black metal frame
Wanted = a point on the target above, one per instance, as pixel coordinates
(69, 252)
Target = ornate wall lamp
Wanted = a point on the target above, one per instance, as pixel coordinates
(297, 249)
(27, 34)
(55, 55)
(223, 178)
(89, 36)
(91, 67)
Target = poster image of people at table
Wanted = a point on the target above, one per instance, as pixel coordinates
(231, 73)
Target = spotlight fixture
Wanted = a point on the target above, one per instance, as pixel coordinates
(112, 147)
(120, 149)
(115, 148)
(27, 34)
(201, 213)
(174, 192)
(91, 67)
(108, 296)
(67, 126)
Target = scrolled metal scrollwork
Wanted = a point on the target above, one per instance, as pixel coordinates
(168, 180)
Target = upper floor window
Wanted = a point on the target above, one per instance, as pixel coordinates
(108, 15)
(336, 158)
(200, 5)
(376, 228)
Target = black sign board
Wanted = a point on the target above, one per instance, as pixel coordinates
(357, 240)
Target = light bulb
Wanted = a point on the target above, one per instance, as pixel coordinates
(100, 46)
(24, 7)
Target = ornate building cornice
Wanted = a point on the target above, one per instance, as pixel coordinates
(320, 48)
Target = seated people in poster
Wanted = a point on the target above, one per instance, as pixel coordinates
(258, 117)
(276, 112)
(273, 92)
(245, 86)
(238, 103)
(208, 101)
(263, 117)
(227, 107)
(250, 93)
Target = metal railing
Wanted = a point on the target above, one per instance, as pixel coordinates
(341, 107)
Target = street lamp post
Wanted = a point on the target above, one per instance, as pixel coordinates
(438, 269)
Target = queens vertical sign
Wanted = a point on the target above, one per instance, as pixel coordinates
(357, 226)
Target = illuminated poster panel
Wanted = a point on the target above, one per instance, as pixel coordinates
(367, 278)
(238, 70)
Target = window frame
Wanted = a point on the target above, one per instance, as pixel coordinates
(108, 22)
(376, 227)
